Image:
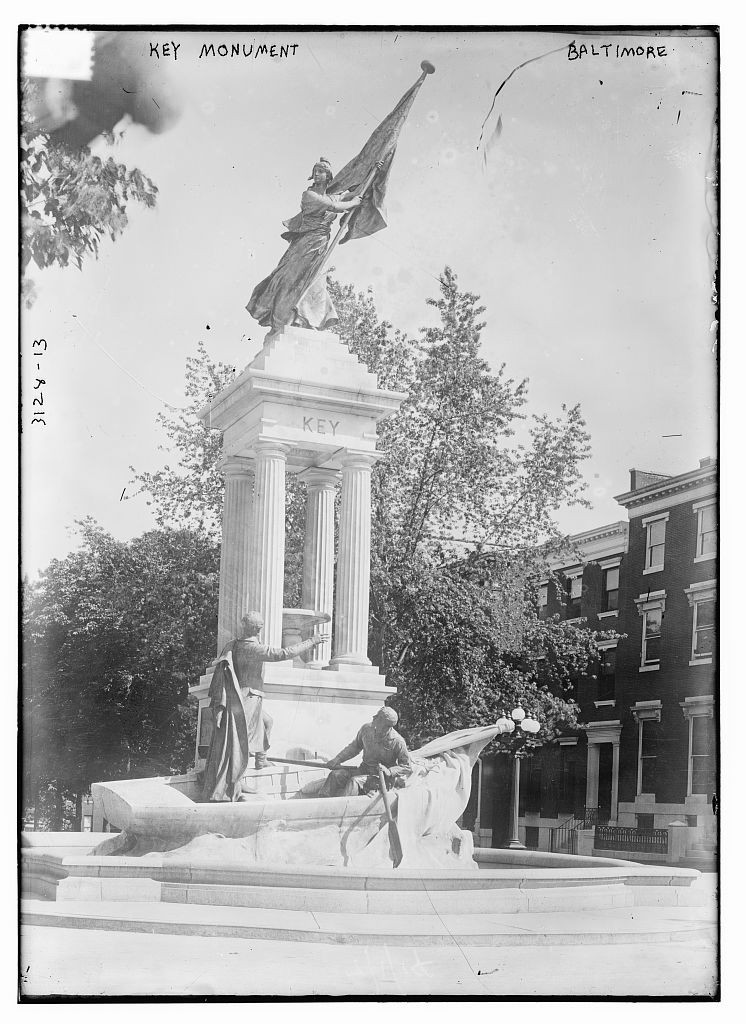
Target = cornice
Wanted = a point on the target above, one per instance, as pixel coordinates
(665, 488)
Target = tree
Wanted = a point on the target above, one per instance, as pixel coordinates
(113, 635)
(70, 201)
(463, 516)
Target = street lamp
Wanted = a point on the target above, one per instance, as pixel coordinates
(527, 727)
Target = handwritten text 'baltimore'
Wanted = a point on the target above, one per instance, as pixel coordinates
(611, 50)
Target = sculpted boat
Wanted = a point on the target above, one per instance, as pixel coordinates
(280, 821)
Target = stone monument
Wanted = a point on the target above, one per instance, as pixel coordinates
(303, 405)
(306, 405)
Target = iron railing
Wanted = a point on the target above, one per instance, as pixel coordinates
(593, 816)
(620, 837)
(564, 838)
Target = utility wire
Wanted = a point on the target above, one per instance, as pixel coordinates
(136, 380)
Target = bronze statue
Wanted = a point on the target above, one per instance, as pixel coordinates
(381, 745)
(285, 296)
(241, 725)
(295, 292)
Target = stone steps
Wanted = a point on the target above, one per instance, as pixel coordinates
(615, 926)
(419, 900)
(702, 848)
(700, 861)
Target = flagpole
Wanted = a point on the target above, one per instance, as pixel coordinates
(427, 69)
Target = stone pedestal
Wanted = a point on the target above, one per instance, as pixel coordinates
(315, 713)
(303, 405)
(299, 624)
(678, 834)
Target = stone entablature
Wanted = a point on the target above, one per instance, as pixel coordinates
(306, 391)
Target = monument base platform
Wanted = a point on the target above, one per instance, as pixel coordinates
(561, 900)
(316, 712)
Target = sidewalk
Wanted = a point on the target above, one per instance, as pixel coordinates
(72, 961)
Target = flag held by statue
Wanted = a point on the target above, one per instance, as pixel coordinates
(375, 158)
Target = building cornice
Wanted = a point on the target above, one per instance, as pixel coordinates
(676, 485)
(593, 545)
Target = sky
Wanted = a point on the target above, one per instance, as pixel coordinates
(585, 232)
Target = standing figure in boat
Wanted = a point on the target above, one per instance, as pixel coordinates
(241, 725)
(380, 744)
(284, 297)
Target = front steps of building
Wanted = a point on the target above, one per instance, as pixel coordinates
(701, 856)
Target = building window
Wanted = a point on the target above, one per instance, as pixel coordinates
(703, 629)
(655, 544)
(610, 598)
(702, 754)
(701, 770)
(574, 596)
(701, 597)
(706, 531)
(566, 788)
(607, 674)
(649, 737)
(542, 599)
(652, 622)
(87, 822)
(651, 607)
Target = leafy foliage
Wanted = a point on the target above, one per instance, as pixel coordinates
(463, 517)
(190, 496)
(113, 635)
(71, 200)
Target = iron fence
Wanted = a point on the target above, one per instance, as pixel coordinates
(619, 837)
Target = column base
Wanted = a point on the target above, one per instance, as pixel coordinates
(341, 664)
(514, 844)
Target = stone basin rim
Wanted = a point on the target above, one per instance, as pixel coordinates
(155, 865)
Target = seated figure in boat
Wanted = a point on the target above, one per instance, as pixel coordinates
(241, 725)
(380, 744)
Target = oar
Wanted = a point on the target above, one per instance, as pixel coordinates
(303, 764)
(394, 841)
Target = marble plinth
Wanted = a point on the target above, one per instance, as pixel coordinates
(315, 713)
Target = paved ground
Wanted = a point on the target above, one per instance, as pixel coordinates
(73, 962)
(68, 961)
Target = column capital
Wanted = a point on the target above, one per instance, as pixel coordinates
(321, 479)
(275, 449)
(235, 465)
(359, 459)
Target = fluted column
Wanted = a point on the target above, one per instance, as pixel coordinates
(267, 570)
(234, 547)
(318, 555)
(353, 564)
